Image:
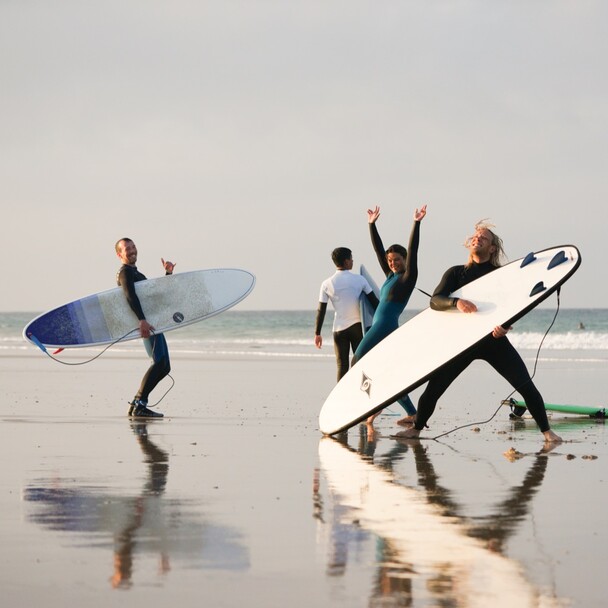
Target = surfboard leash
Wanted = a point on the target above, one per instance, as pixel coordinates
(464, 426)
(43, 348)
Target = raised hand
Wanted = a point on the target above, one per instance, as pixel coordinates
(373, 215)
(420, 213)
(168, 266)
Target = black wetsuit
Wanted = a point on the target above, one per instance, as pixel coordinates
(156, 345)
(498, 352)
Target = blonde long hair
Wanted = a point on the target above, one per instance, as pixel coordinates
(498, 256)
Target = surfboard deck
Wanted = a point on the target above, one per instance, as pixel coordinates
(169, 302)
(366, 309)
(406, 358)
(577, 410)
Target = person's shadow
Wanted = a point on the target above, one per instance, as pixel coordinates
(439, 538)
(134, 525)
(156, 481)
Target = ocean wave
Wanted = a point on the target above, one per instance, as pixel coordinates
(562, 341)
(572, 340)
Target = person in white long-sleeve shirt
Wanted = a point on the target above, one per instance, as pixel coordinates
(343, 289)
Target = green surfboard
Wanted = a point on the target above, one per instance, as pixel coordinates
(579, 410)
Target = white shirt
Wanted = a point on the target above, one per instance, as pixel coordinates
(344, 290)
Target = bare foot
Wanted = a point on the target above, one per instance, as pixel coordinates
(406, 420)
(410, 433)
(551, 437)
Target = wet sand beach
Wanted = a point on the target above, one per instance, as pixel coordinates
(235, 499)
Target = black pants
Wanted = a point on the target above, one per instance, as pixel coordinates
(346, 341)
(503, 357)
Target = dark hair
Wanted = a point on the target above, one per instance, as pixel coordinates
(340, 254)
(400, 249)
(125, 238)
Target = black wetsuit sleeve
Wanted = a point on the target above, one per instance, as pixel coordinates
(441, 299)
(407, 281)
(455, 278)
(127, 281)
(320, 317)
(379, 248)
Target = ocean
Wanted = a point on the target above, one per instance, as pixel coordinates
(576, 334)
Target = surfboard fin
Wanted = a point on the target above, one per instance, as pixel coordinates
(528, 259)
(538, 288)
(558, 258)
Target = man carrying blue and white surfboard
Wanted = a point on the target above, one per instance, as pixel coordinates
(485, 253)
(155, 344)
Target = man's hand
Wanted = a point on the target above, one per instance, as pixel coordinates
(500, 332)
(145, 329)
(466, 306)
(168, 266)
(318, 341)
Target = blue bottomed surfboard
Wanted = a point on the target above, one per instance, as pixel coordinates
(169, 302)
(406, 358)
(366, 309)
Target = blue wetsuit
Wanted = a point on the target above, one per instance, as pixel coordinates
(394, 296)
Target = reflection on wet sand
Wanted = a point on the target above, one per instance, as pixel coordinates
(148, 523)
(427, 550)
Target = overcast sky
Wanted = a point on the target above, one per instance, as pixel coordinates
(255, 134)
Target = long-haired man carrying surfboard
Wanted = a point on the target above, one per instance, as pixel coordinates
(485, 253)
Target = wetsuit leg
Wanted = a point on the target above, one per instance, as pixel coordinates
(503, 357)
(344, 341)
(438, 383)
(407, 405)
(156, 347)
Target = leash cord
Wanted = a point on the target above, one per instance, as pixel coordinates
(72, 363)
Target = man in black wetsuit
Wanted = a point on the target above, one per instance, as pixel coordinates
(485, 251)
(155, 344)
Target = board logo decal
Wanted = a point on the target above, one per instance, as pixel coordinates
(366, 384)
(178, 317)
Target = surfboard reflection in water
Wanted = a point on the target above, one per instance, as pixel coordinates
(427, 553)
(140, 525)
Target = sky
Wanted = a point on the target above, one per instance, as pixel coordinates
(255, 134)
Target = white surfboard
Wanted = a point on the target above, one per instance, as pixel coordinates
(406, 358)
(168, 302)
(424, 541)
(366, 309)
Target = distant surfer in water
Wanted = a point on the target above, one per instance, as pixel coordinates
(155, 344)
(401, 271)
(485, 254)
(343, 289)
